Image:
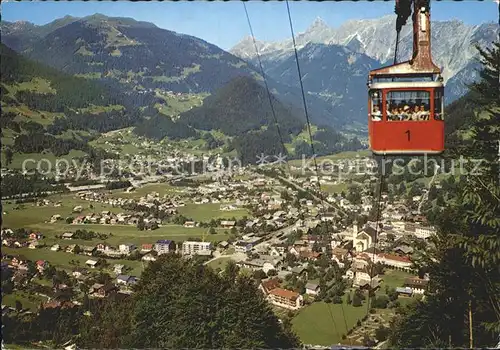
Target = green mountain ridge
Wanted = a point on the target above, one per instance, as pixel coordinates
(50, 111)
(139, 56)
(35, 98)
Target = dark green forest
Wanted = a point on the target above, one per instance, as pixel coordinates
(161, 53)
(240, 106)
(101, 122)
(159, 126)
(70, 90)
(71, 93)
(15, 184)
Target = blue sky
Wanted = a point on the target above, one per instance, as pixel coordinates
(224, 23)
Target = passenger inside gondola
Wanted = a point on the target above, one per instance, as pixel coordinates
(392, 113)
(408, 105)
(407, 112)
(424, 114)
(400, 114)
(376, 113)
(376, 109)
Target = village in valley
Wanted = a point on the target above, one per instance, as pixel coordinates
(311, 241)
(298, 177)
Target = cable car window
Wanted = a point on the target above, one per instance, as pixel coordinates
(438, 105)
(408, 105)
(376, 105)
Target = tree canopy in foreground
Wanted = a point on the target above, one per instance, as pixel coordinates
(462, 307)
(183, 304)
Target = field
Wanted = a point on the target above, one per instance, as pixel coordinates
(314, 324)
(175, 105)
(219, 263)
(394, 278)
(28, 301)
(129, 233)
(61, 259)
(338, 188)
(32, 160)
(336, 157)
(186, 71)
(206, 212)
(29, 214)
(303, 136)
(37, 218)
(99, 109)
(109, 141)
(37, 84)
(161, 188)
(94, 75)
(22, 347)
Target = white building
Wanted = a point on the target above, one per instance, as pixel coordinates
(199, 248)
(286, 299)
(312, 289)
(55, 247)
(164, 246)
(148, 257)
(91, 263)
(362, 240)
(424, 232)
(395, 261)
(417, 285)
(126, 248)
(242, 247)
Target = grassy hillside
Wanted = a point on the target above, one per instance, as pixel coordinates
(53, 113)
(38, 104)
(240, 106)
(129, 53)
(176, 103)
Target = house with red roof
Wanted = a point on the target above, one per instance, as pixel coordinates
(41, 265)
(147, 247)
(268, 285)
(35, 236)
(286, 298)
(394, 261)
(79, 219)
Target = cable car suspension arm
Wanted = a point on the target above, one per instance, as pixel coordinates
(403, 10)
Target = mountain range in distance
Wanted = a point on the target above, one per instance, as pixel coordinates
(137, 57)
(371, 42)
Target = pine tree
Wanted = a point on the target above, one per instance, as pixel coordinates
(486, 90)
(464, 257)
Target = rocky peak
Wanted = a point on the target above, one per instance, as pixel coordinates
(318, 24)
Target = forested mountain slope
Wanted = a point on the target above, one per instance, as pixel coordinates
(241, 110)
(47, 110)
(39, 103)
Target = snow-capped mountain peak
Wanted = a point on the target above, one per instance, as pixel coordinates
(453, 43)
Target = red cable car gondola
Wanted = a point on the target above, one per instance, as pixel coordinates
(405, 101)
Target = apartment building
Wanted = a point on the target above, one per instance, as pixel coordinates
(286, 299)
(199, 248)
(394, 261)
(420, 231)
(164, 246)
